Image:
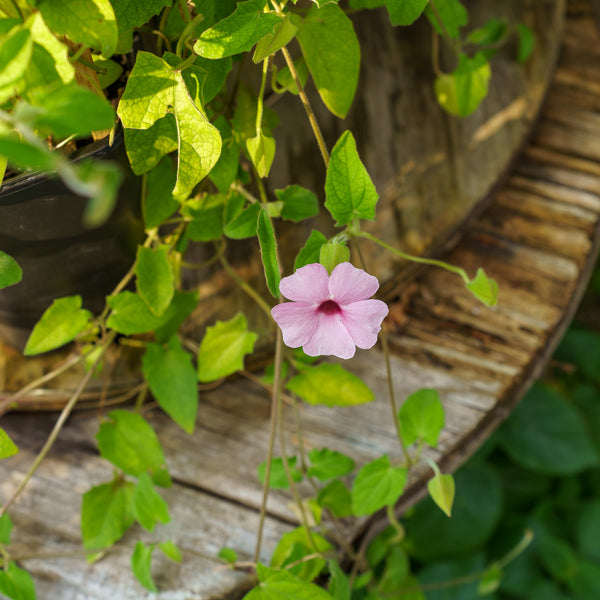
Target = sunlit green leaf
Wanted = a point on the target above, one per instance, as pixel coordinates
(327, 464)
(282, 585)
(405, 12)
(15, 53)
(421, 417)
(278, 477)
(228, 555)
(16, 583)
(148, 506)
(10, 271)
(282, 35)
(441, 490)
(141, 563)
(170, 550)
(155, 282)
(6, 526)
(484, 288)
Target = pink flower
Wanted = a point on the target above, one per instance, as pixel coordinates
(330, 314)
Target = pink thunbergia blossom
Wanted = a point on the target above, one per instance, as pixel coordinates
(330, 314)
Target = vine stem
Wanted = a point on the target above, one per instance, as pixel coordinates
(66, 411)
(453, 44)
(273, 428)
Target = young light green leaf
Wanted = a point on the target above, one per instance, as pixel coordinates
(278, 478)
(421, 417)
(484, 288)
(282, 35)
(238, 32)
(332, 254)
(88, 22)
(405, 12)
(141, 565)
(155, 278)
(311, 251)
(159, 204)
(15, 53)
(339, 583)
(461, 92)
(298, 203)
(172, 380)
(268, 252)
(130, 444)
(452, 14)
(332, 53)
(261, 150)
(10, 271)
(59, 325)
(170, 550)
(146, 147)
(16, 583)
(155, 88)
(245, 224)
(228, 555)
(148, 506)
(223, 348)
(130, 314)
(335, 496)
(6, 526)
(7, 446)
(281, 584)
(526, 42)
(327, 464)
(348, 187)
(294, 546)
(377, 484)
(106, 513)
(441, 490)
(132, 14)
(490, 580)
(330, 385)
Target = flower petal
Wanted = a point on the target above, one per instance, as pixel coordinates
(348, 284)
(363, 321)
(297, 320)
(307, 284)
(330, 338)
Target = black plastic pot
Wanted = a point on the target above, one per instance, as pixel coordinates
(41, 228)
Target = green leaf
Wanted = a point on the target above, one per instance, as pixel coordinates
(7, 446)
(111, 71)
(68, 110)
(285, 80)
(484, 288)
(141, 565)
(333, 253)
(332, 53)
(10, 271)
(476, 512)
(396, 570)
(100, 180)
(460, 568)
(16, 583)
(277, 477)
(311, 251)
(6, 526)
(130, 314)
(159, 204)
(130, 444)
(106, 513)
(16, 49)
(297, 544)
(335, 496)
(349, 189)
(453, 16)
(587, 530)
(146, 147)
(282, 35)
(490, 581)
(268, 252)
(215, 76)
(225, 170)
(207, 215)
(491, 32)
(245, 225)
(461, 92)
(170, 550)
(88, 22)
(581, 347)
(238, 32)
(155, 88)
(330, 385)
(545, 433)
(339, 583)
(59, 325)
(377, 484)
(261, 150)
(282, 585)
(421, 417)
(25, 155)
(327, 464)
(228, 555)
(172, 380)
(223, 348)
(148, 506)
(441, 490)
(526, 42)
(180, 308)
(367, 3)
(130, 13)
(405, 12)
(298, 203)
(155, 284)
